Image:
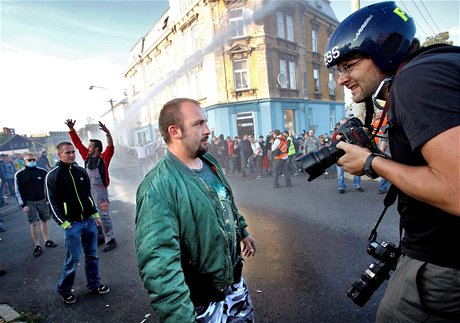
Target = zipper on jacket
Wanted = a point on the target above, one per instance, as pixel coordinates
(76, 191)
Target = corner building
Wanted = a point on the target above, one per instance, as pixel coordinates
(254, 65)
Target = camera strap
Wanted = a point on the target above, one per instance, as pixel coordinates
(389, 200)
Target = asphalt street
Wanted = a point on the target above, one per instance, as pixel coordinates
(311, 247)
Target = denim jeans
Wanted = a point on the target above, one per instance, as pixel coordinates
(2, 197)
(10, 182)
(341, 178)
(82, 235)
(384, 184)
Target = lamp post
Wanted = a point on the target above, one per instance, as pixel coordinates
(110, 100)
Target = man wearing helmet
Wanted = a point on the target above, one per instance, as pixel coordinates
(377, 57)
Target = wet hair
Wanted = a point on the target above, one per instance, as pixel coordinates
(62, 144)
(97, 144)
(170, 114)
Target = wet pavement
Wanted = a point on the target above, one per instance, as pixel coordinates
(311, 248)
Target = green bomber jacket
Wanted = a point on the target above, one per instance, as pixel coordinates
(181, 245)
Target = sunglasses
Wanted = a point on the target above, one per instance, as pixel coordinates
(31, 160)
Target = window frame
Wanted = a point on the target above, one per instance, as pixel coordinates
(240, 72)
(314, 41)
(239, 23)
(280, 24)
(316, 78)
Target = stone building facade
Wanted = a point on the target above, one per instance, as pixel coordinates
(254, 65)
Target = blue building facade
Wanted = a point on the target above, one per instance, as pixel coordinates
(260, 117)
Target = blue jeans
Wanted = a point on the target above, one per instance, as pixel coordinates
(2, 197)
(82, 235)
(341, 178)
(10, 182)
(384, 184)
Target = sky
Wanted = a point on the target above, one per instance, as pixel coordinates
(52, 51)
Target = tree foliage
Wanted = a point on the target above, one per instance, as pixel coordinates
(441, 38)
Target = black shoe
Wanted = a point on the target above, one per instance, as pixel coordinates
(100, 241)
(101, 290)
(381, 191)
(360, 189)
(69, 299)
(2, 272)
(50, 244)
(2, 229)
(341, 191)
(38, 251)
(112, 244)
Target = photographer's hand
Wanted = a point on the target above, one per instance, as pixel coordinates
(354, 158)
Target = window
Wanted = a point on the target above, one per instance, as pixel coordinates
(331, 118)
(184, 5)
(316, 80)
(283, 71)
(314, 41)
(284, 26)
(331, 85)
(305, 89)
(236, 22)
(241, 74)
(288, 69)
(168, 59)
(289, 28)
(292, 80)
(191, 40)
(279, 24)
(289, 120)
(245, 123)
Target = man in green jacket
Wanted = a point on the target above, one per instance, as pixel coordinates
(190, 237)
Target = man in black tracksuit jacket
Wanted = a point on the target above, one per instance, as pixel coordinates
(68, 193)
(30, 193)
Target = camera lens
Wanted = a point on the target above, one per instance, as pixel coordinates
(315, 163)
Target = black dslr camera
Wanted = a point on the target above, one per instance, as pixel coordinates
(387, 256)
(315, 163)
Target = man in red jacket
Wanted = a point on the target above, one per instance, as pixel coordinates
(97, 166)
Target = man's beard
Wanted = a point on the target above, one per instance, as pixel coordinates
(201, 150)
(195, 152)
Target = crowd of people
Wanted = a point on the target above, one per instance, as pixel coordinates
(253, 158)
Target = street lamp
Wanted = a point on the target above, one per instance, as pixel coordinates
(110, 100)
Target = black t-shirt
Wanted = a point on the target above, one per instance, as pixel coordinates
(425, 101)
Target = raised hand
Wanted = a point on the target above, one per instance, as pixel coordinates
(103, 128)
(70, 123)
